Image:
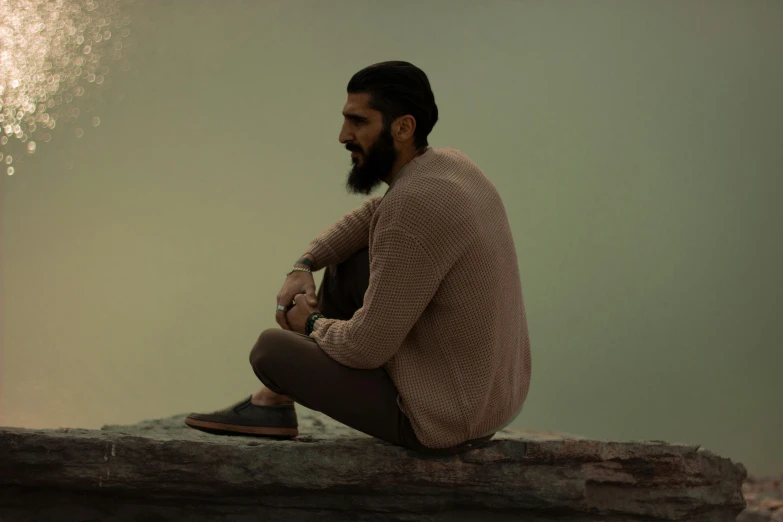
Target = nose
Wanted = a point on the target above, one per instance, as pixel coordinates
(345, 135)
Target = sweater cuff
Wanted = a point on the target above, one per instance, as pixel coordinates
(324, 256)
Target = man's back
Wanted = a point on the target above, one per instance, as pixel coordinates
(443, 312)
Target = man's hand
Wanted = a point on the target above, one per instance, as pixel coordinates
(297, 315)
(295, 283)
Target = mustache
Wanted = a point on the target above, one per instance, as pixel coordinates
(353, 148)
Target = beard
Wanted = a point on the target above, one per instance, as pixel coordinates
(376, 164)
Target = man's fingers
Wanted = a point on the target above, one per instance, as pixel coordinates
(280, 314)
(309, 291)
(281, 320)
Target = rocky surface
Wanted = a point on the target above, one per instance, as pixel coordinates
(163, 470)
(765, 499)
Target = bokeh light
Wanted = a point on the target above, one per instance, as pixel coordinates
(55, 54)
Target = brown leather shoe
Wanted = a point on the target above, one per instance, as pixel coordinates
(248, 419)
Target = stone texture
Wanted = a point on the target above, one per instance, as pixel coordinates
(764, 496)
(163, 470)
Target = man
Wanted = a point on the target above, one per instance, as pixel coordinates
(418, 334)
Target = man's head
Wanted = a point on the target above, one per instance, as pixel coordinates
(389, 114)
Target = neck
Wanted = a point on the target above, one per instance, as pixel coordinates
(402, 160)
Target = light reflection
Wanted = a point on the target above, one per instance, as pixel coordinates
(53, 55)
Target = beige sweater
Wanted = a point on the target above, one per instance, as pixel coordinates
(443, 313)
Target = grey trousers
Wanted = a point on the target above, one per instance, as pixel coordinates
(292, 364)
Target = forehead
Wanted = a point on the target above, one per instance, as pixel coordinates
(358, 104)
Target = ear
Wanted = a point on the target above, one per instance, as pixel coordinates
(403, 128)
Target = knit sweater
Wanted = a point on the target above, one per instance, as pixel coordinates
(443, 312)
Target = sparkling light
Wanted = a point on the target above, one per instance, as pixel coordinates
(53, 55)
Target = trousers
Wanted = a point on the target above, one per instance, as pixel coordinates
(292, 364)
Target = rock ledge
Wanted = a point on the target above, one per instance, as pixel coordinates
(163, 470)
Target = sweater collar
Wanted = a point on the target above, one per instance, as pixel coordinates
(408, 166)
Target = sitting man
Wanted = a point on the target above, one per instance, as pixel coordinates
(418, 334)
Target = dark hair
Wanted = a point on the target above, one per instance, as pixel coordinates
(397, 89)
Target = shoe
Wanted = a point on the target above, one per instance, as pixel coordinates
(248, 419)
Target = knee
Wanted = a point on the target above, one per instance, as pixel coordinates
(268, 348)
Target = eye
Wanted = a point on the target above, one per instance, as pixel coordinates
(356, 120)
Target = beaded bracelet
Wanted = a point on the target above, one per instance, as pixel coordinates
(311, 319)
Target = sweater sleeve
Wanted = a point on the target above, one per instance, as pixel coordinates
(345, 237)
(403, 280)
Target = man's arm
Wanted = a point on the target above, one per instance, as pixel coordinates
(345, 237)
(403, 279)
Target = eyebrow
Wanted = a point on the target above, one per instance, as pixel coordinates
(354, 117)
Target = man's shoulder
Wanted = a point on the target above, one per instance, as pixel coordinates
(434, 196)
(449, 157)
(446, 174)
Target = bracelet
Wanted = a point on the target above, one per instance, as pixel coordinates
(310, 324)
(311, 319)
(299, 269)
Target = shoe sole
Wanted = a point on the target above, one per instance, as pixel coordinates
(249, 430)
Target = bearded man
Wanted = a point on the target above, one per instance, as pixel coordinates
(418, 334)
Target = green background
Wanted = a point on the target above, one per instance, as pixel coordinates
(637, 146)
